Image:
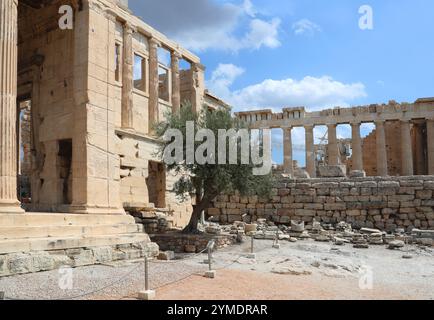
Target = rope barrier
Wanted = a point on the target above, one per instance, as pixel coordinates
(134, 269)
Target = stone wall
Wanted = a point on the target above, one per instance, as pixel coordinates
(190, 243)
(135, 152)
(384, 203)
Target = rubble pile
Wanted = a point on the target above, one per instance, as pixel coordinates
(340, 234)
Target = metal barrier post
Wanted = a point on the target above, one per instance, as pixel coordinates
(251, 255)
(210, 273)
(147, 294)
(276, 243)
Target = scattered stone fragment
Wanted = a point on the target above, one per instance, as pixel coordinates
(370, 231)
(166, 255)
(361, 246)
(296, 271)
(213, 229)
(396, 244)
(297, 227)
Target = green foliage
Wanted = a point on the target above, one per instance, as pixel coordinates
(210, 180)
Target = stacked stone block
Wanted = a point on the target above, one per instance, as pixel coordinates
(383, 203)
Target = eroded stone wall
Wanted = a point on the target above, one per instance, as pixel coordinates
(135, 154)
(384, 203)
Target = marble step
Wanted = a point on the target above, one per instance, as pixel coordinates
(61, 243)
(57, 219)
(24, 232)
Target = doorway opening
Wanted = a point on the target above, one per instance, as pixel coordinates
(65, 170)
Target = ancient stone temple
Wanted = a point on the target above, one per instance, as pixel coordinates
(91, 94)
(402, 143)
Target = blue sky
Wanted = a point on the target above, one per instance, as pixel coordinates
(276, 53)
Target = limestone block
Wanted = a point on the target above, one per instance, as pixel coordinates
(102, 254)
(424, 194)
(83, 258)
(333, 171)
(42, 261)
(20, 263)
(130, 162)
(214, 211)
(4, 270)
(357, 174)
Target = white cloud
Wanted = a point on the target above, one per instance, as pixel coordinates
(311, 92)
(206, 24)
(249, 9)
(223, 77)
(262, 33)
(305, 27)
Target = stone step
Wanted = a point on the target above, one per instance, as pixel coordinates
(61, 243)
(57, 219)
(66, 231)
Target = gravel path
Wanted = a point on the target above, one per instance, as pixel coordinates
(302, 270)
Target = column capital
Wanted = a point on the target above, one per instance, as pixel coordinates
(153, 42)
(175, 55)
(129, 28)
(379, 122)
(110, 15)
(309, 126)
(197, 66)
(355, 123)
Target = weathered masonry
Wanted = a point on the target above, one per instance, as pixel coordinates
(403, 141)
(87, 99)
(386, 203)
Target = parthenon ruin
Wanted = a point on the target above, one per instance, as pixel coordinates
(404, 136)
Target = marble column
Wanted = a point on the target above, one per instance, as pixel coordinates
(198, 86)
(176, 81)
(406, 149)
(153, 83)
(332, 149)
(288, 165)
(357, 147)
(8, 108)
(310, 151)
(127, 78)
(382, 169)
(430, 144)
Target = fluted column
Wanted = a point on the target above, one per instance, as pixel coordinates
(8, 108)
(333, 150)
(288, 165)
(430, 144)
(310, 151)
(382, 169)
(198, 86)
(406, 149)
(153, 83)
(176, 82)
(127, 78)
(357, 147)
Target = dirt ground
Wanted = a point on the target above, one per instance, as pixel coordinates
(312, 270)
(251, 285)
